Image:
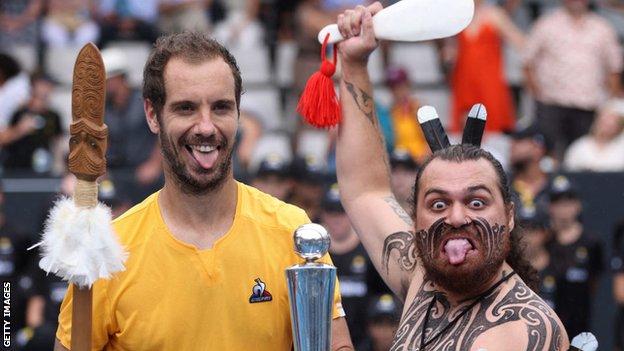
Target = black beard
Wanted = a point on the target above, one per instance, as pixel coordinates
(188, 184)
(491, 241)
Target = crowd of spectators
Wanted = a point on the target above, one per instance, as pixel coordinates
(561, 111)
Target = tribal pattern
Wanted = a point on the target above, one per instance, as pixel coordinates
(519, 303)
(404, 243)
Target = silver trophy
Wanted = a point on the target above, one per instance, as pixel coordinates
(311, 290)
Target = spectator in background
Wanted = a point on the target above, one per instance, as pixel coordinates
(407, 133)
(128, 20)
(579, 257)
(573, 64)
(131, 146)
(602, 150)
(273, 177)
(382, 323)
(617, 264)
(69, 23)
(403, 176)
(354, 268)
(241, 26)
(249, 134)
(14, 88)
(473, 81)
(310, 176)
(536, 235)
(180, 15)
(530, 178)
(39, 148)
(18, 22)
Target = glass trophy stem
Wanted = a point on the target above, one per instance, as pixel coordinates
(311, 296)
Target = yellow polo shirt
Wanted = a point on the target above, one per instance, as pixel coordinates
(173, 296)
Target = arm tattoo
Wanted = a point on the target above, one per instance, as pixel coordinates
(404, 243)
(364, 102)
(398, 209)
(519, 303)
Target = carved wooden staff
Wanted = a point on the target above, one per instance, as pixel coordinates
(87, 161)
(78, 242)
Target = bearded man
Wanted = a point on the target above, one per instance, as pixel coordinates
(456, 261)
(207, 254)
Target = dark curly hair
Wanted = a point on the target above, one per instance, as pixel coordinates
(462, 153)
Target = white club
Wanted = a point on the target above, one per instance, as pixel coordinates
(415, 20)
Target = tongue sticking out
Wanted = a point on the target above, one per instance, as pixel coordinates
(456, 250)
(205, 159)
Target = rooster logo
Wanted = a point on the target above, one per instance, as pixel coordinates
(259, 292)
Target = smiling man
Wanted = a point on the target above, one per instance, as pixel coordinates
(207, 254)
(455, 262)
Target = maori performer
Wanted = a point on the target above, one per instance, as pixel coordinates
(206, 254)
(455, 261)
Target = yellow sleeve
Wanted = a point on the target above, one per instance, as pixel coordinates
(338, 311)
(100, 319)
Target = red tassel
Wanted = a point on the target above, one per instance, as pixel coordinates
(318, 103)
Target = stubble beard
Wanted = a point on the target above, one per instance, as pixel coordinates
(470, 277)
(186, 182)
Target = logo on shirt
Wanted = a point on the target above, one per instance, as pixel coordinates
(259, 292)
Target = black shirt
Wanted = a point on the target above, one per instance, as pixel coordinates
(20, 153)
(617, 266)
(547, 288)
(355, 270)
(577, 267)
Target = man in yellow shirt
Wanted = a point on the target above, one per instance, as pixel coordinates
(206, 254)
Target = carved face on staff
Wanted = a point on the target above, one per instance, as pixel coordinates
(462, 221)
(87, 149)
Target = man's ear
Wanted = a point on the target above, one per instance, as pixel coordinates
(511, 213)
(151, 116)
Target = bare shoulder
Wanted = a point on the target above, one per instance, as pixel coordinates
(531, 323)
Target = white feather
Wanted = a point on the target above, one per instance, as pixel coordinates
(585, 342)
(79, 244)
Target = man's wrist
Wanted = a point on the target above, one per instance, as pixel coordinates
(353, 68)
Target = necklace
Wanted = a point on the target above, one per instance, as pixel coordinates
(424, 344)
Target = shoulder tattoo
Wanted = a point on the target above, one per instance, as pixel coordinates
(517, 304)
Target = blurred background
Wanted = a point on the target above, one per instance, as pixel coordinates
(548, 71)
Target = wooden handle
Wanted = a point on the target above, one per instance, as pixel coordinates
(81, 319)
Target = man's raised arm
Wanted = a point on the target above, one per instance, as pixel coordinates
(385, 229)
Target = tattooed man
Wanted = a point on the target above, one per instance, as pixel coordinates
(455, 262)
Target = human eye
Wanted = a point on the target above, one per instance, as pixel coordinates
(476, 203)
(223, 107)
(438, 205)
(184, 108)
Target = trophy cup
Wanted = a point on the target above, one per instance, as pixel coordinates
(311, 290)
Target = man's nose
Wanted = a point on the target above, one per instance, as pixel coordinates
(205, 124)
(457, 216)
